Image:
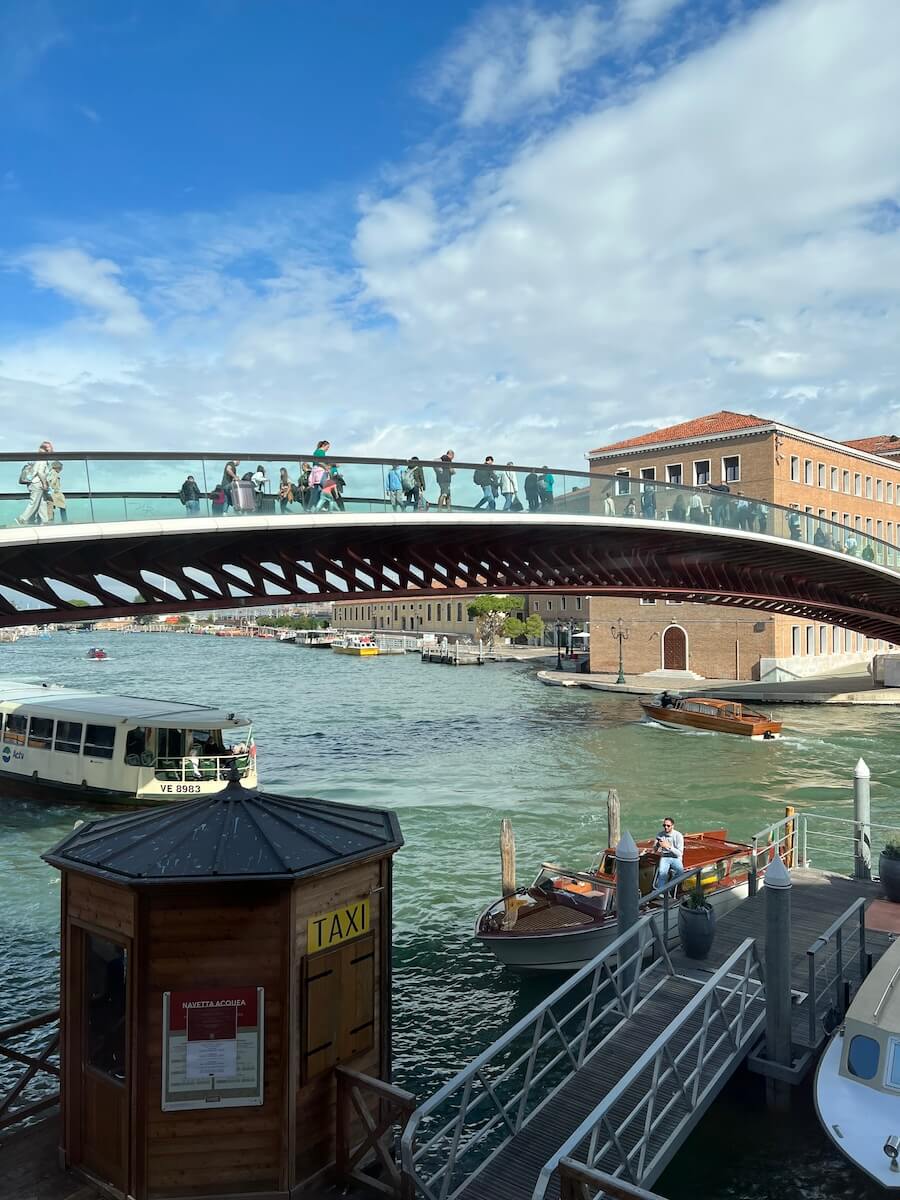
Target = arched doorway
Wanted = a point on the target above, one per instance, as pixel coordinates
(674, 649)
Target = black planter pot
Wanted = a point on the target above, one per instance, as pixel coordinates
(889, 873)
(696, 927)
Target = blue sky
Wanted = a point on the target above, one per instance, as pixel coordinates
(493, 226)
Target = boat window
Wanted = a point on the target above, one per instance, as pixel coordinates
(68, 737)
(862, 1057)
(99, 741)
(892, 1079)
(16, 724)
(40, 733)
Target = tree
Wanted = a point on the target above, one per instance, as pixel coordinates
(490, 614)
(533, 627)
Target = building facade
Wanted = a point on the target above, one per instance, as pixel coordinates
(825, 481)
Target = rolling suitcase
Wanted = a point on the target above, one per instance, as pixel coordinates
(243, 496)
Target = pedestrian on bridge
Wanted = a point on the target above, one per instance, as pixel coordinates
(533, 494)
(317, 476)
(322, 448)
(545, 487)
(56, 500)
(509, 488)
(285, 490)
(189, 496)
(394, 487)
(485, 478)
(229, 478)
(34, 475)
(413, 481)
(443, 475)
(793, 523)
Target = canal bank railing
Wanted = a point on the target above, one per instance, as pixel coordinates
(578, 1182)
(25, 1094)
(456, 1132)
(637, 1127)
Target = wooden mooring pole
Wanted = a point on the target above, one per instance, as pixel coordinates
(508, 871)
(613, 818)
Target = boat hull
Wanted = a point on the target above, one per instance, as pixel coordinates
(54, 791)
(679, 719)
(359, 651)
(858, 1119)
(571, 949)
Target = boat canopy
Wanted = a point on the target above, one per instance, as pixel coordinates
(65, 704)
(877, 1003)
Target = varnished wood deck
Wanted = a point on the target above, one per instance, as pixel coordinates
(817, 899)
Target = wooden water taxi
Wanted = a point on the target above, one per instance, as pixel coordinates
(356, 643)
(858, 1078)
(565, 918)
(59, 743)
(97, 654)
(715, 716)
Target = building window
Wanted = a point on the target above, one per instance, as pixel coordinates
(795, 469)
(549, 606)
(835, 479)
(810, 639)
(868, 487)
(731, 469)
(857, 484)
(869, 526)
(846, 481)
(879, 530)
(857, 524)
(807, 471)
(820, 474)
(459, 612)
(879, 490)
(823, 639)
(795, 640)
(834, 517)
(701, 472)
(835, 640)
(890, 531)
(623, 486)
(674, 602)
(648, 473)
(578, 603)
(562, 603)
(847, 636)
(847, 520)
(673, 473)
(890, 493)
(644, 601)
(822, 514)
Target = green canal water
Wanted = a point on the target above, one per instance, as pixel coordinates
(453, 751)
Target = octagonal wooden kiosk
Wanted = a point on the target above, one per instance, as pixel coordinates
(219, 958)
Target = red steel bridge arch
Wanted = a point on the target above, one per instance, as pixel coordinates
(203, 564)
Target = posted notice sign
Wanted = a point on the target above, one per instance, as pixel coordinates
(212, 1048)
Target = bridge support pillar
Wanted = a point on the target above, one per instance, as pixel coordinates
(779, 1044)
(862, 816)
(628, 898)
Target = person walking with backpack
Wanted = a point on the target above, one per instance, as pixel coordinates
(485, 478)
(509, 488)
(34, 476)
(190, 497)
(413, 481)
(443, 475)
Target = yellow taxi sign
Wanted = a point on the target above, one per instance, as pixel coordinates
(339, 925)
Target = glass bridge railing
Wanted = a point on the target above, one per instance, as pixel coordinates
(107, 487)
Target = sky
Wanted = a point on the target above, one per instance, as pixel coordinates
(521, 229)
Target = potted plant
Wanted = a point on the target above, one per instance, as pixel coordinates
(696, 923)
(889, 868)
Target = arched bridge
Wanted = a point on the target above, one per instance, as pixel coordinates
(134, 543)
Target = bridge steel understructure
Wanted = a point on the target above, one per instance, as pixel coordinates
(197, 564)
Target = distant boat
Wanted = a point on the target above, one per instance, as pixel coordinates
(360, 644)
(97, 654)
(566, 917)
(714, 716)
(857, 1087)
(316, 639)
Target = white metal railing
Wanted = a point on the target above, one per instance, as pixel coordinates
(635, 1128)
(836, 959)
(814, 839)
(462, 1126)
(203, 768)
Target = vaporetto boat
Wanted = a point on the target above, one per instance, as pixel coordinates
(60, 743)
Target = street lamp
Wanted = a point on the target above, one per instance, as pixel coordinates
(620, 633)
(571, 635)
(559, 663)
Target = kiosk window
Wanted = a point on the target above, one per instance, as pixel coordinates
(40, 733)
(105, 969)
(68, 737)
(862, 1057)
(338, 1005)
(99, 740)
(16, 724)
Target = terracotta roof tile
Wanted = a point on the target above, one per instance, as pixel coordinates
(881, 443)
(708, 426)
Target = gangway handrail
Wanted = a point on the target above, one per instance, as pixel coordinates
(834, 934)
(655, 1054)
(623, 979)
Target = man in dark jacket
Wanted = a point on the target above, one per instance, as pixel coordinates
(532, 489)
(190, 497)
(486, 479)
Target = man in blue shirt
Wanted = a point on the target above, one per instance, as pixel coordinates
(670, 846)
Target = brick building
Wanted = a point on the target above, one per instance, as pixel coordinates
(855, 484)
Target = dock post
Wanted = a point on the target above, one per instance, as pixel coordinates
(508, 872)
(613, 818)
(779, 1044)
(862, 816)
(628, 897)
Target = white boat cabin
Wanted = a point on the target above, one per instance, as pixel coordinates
(58, 741)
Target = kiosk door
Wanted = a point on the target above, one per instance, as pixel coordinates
(104, 1059)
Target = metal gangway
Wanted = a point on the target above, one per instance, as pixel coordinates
(611, 1071)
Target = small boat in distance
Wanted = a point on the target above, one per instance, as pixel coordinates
(714, 716)
(361, 644)
(857, 1088)
(315, 639)
(565, 918)
(60, 743)
(97, 654)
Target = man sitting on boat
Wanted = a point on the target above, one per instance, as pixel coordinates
(670, 846)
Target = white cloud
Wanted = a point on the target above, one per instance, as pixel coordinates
(92, 283)
(724, 234)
